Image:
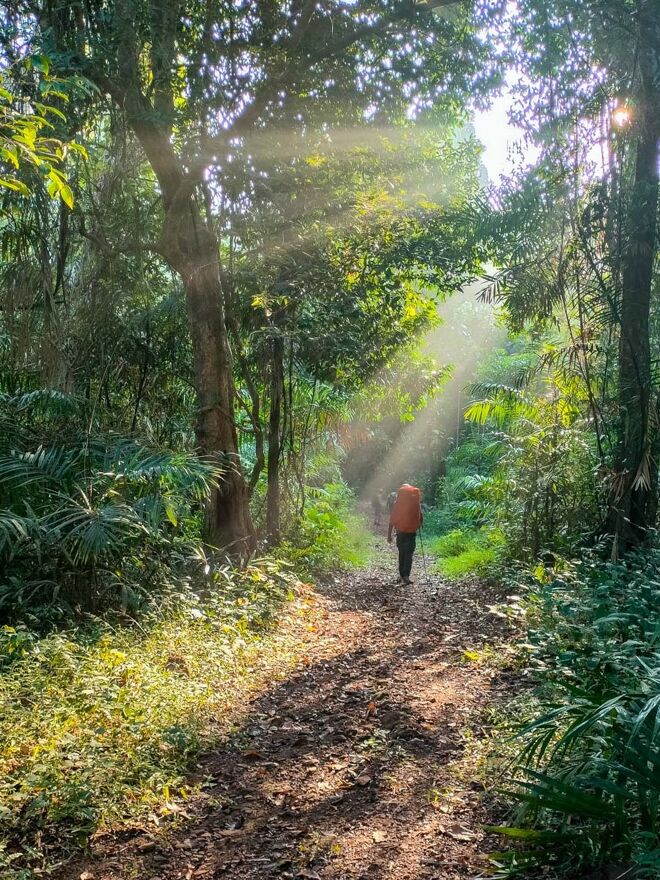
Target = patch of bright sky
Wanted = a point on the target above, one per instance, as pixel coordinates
(505, 147)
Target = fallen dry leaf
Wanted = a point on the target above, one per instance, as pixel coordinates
(364, 779)
(379, 836)
(252, 753)
(460, 832)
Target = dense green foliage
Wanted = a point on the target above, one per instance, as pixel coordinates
(33, 142)
(526, 460)
(90, 520)
(462, 552)
(330, 535)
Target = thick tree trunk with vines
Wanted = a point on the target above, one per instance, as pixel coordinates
(193, 253)
(192, 250)
(186, 243)
(634, 492)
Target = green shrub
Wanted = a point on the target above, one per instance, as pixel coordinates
(474, 561)
(464, 552)
(329, 535)
(438, 521)
(453, 543)
(88, 521)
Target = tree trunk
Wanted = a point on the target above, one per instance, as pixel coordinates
(273, 524)
(254, 410)
(192, 251)
(633, 501)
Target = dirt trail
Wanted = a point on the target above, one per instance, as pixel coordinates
(348, 768)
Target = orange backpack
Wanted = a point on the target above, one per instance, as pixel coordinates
(406, 515)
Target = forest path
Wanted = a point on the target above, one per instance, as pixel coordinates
(360, 763)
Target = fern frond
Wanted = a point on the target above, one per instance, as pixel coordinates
(89, 533)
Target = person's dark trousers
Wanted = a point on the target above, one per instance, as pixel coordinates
(405, 541)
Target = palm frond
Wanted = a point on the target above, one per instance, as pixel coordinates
(89, 533)
(47, 401)
(45, 465)
(13, 528)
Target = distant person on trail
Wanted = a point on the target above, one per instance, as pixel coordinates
(406, 517)
(391, 498)
(377, 507)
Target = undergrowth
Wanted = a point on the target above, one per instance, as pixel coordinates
(100, 723)
(463, 552)
(329, 535)
(586, 778)
(126, 649)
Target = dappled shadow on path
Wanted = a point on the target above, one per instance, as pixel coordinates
(344, 769)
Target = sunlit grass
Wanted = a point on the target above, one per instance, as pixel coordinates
(99, 725)
(465, 552)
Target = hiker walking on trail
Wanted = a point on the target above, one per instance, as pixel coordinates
(406, 517)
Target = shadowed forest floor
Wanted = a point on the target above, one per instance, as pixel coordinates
(360, 764)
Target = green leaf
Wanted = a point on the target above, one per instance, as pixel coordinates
(170, 512)
(78, 148)
(41, 63)
(10, 153)
(46, 109)
(523, 833)
(66, 195)
(16, 185)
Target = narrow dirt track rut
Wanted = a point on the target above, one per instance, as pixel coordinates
(354, 766)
